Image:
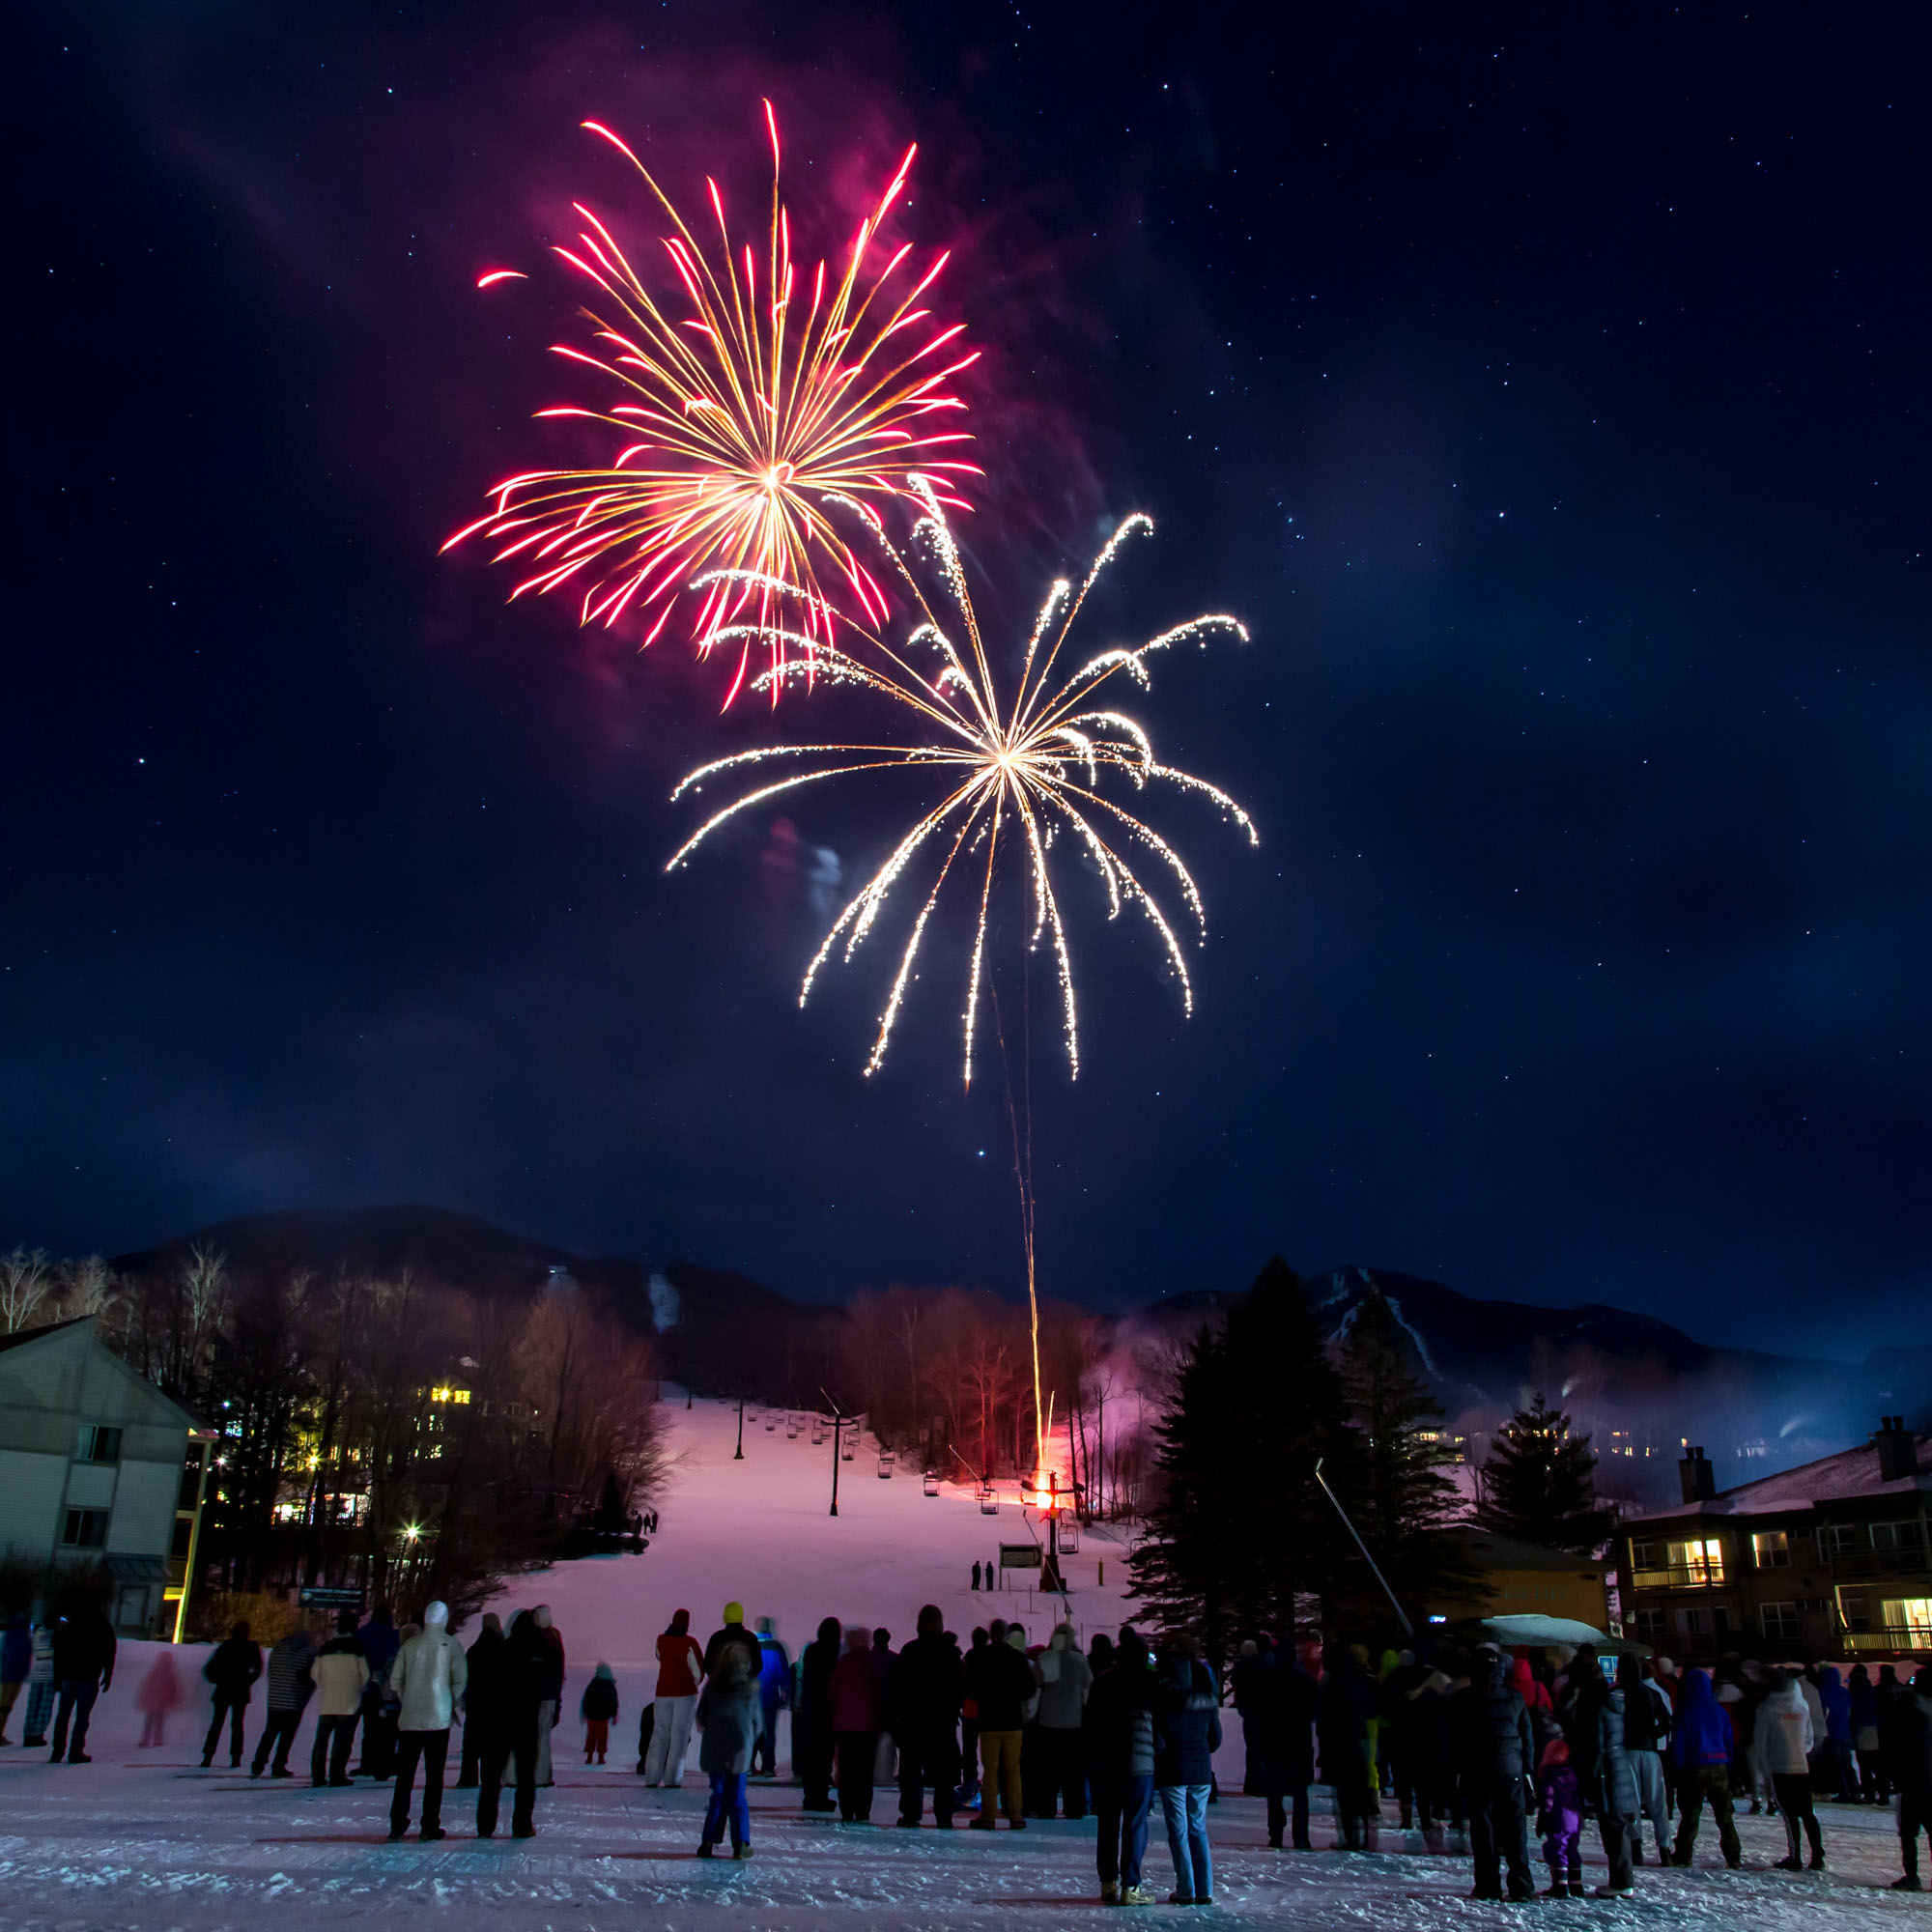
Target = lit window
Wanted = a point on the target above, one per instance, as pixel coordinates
(1910, 1614)
(1701, 1560)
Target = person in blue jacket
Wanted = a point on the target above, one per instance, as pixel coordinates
(774, 1696)
(1701, 1748)
(1838, 1752)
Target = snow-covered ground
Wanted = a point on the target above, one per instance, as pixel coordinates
(146, 1839)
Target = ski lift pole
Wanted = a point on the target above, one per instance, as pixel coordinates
(837, 1424)
(1402, 1616)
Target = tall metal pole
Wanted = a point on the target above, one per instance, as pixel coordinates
(838, 1423)
(1408, 1629)
(738, 1455)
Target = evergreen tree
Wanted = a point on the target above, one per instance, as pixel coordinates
(1243, 1539)
(1402, 1497)
(1540, 1483)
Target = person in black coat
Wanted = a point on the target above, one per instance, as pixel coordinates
(1495, 1757)
(812, 1716)
(233, 1668)
(929, 1684)
(83, 1667)
(1117, 1741)
(1905, 1736)
(1284, 1720)
(1186, 1734)
(1344, 1706)
(505, 1706)
(1614, 1791)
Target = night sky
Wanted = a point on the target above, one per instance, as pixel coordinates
(1548, 392)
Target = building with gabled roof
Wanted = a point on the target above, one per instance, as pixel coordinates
(1828, 1559)
(97, 1466)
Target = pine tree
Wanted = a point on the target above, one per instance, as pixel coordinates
(1540, 1483)
(1402, 1497)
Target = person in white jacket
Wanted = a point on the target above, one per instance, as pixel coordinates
(426, 1679)
(1784, 1740)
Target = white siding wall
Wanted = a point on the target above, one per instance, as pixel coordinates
(30, 1501)
(143, 1523)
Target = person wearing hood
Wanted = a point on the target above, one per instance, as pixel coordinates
(857, 1717)
(1186, 1734)
(426, 1681)
(1065, 1684)
(774, 1696)
(1839, 1762)
(1613, 1790)
(680, 1668)
(729, 1717)
(598, 1708)
(1119, 1741)
(1646, 1732)
(340, 1674)
(1905, 1734)
(1244, 1687)
(1495, 1758)
(232, 1667)
(483, 1658)
(812, 1716)
(16, 1660)
(1344, 1707)
(291, 1664)
(1701, 1746)
(1785, 1741)
(1559, 1818)
(551, 1707)
(1000, 1680)
(41, 1689)
(380, 1639)
(929, 1687)
(1406, 1741)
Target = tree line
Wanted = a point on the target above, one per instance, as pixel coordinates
(408, 1438)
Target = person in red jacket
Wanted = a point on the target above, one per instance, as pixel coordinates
(680, 1668)
(857, 1714)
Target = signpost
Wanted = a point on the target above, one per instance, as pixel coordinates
(1018, 1556)
(321, 1597)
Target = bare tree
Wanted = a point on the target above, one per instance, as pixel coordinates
(25, 1282)
(87, 1287)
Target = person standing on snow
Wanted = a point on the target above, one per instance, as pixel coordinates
(680, 1666)
(1701, 1746)
(774, 1696)
(1118, 1740)
(1496, 1756)
(1613, 1792)
(551, 1707)
(1646, 1731)
(929, 1687)
(84, 1669)
(1786, 1741)
(1905, 1734)
(598, 1708)
(1001, 1683)
(426, 1680)
(729, 1717)
(16, 1660)
(1344, 1706)
(1838, 1759)
(160, 1693)
(290, 1683)
(856, 1717)
(233, 1668)
(1065, 1685)
(380, 1640)
(1186, 1734)
(812, 1716)
(41, 1689)
(732, 1633)
(340, 1674)
(500, 1701)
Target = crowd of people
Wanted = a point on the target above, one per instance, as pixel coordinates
(1504, 1758)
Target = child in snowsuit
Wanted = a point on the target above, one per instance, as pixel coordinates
(598, 1710)
(1560, 1820)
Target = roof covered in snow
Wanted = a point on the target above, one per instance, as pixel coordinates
(1850, 1474)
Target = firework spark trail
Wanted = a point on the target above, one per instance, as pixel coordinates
(739, 423)
(1012, 768)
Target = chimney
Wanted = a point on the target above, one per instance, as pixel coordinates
(1897, 1449)
(1695, 1473)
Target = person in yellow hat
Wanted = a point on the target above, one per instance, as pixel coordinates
(734, 1631)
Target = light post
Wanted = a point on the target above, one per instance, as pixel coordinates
(837, 1424)
(738, 1454)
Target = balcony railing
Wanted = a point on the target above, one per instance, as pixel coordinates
(1849, 1563)
(1897, 1642)
(1680, 1576)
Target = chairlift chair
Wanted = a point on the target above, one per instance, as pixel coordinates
(886, 1462)
(1069, 1533)
(791, 1428)
(989, 1503)
(849, 1450)
(932, 1482)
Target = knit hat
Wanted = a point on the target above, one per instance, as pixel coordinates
(735, 1613)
